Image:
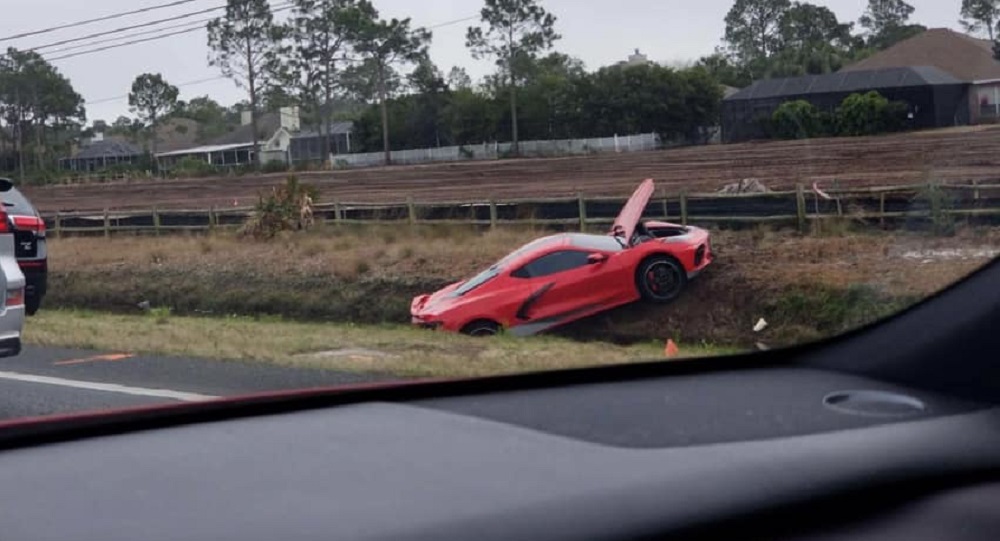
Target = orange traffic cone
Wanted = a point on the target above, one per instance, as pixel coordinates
(672, 350)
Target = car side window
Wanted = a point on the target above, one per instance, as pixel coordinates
(553, 263)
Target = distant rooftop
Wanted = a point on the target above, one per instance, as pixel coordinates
(964, 57)
(109, 148)
(841, 82)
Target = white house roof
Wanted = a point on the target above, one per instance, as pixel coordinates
(207, 149)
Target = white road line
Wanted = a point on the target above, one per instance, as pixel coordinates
(108, 387)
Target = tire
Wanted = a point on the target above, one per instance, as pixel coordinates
(660, 279)
(32, 304)
(481, 329)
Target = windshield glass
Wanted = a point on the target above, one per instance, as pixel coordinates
(494, 271)
(797, 170)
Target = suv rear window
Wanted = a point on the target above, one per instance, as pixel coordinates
(15, 203)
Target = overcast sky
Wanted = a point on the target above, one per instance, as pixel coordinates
(599, 32)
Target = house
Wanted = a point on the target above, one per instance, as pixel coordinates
(935, 98)
(307, 145)
(101, 153)
(947, 78)
(280, 138)
(964, 57)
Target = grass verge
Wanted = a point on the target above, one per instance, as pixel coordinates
(805, 286)
(396, 350)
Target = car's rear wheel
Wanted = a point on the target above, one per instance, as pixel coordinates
(661, 279)
(482, 328)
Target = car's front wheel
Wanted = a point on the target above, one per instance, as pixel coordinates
(661, 279)
(481, 328)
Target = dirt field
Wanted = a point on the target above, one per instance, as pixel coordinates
(950, 155)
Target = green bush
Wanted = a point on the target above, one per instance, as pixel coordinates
(190, 166)
(275, 166)
(798, 119)
(870, 114)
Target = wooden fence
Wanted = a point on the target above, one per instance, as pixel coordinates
(799, 207)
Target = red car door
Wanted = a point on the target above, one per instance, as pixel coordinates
(566, 285)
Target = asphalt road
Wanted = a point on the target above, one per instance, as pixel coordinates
(45, 381)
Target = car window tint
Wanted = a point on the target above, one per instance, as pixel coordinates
(16, 203)
(553, 263)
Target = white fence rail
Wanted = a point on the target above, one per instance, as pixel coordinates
(492, 151)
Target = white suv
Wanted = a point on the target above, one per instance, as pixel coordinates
(12, 284)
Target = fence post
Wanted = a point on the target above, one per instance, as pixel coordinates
(336, 213)
(156, 221)
(211, 218)
(493, 214)
(582, 205)
(107, 224)
(975, 191)
(58, 225)
(800, 204)
(411, 209)
(666, 211)
(881, 210)
(684, 208)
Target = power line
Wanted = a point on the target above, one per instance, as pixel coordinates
(186, 30)
(282, 7)
(97, 20)
(198, 23)
(127, 28)
(456, 21)
(133, 42)
(182, 85)
(126, 44)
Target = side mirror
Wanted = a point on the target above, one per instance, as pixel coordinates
(596, 259)
(6, 184)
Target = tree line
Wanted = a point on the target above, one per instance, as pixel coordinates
(341, 59)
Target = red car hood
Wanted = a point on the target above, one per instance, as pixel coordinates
(426, 302)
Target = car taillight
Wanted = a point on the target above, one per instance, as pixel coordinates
(30, 223)
(4, 220)
(15, 297)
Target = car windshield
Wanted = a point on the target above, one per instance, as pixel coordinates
(781, 172)
(478, 280)
(495, 270)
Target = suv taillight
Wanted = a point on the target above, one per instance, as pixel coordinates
(30, 223)
(4, 220)
(14, 297)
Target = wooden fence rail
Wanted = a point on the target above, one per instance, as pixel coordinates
(875, 204)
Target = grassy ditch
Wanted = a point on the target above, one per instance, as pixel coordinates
(386, 349)
(806, 287)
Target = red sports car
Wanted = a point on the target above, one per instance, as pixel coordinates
(562, 278)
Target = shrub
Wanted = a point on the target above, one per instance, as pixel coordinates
(870, 114)
(287, 208)
(935, 200)
(798, 119)
(275, 166)
(193, 167)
